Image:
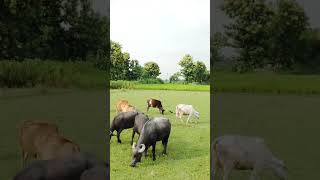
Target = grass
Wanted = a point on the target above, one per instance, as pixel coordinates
(166, 86)
(188, 148)
(266, 83)
(288, 123)
(79, 114)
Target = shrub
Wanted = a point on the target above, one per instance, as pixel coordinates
(151, 81)
(120, 84)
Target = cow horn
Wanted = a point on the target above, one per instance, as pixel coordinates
(133, 145)
(142, 148)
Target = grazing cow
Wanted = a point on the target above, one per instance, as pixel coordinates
(30, 132)
(155, 104)
(66, 168)
(154, 130)
(139, 121)
(123, 120)
(185, 109)
(55, 146)
(245, 153)
(124, 106)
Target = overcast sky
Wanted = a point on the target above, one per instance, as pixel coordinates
(162, 31)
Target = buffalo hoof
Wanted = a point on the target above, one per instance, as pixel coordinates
(119, 141)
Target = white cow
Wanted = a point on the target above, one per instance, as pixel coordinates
(245, 153)
(185, 109)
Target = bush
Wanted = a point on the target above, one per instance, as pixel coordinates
(120, 84)
(151, 81)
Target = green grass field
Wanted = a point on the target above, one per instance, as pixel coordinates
(80, 115)
(288, 123)
(266, 83)
(188, 148)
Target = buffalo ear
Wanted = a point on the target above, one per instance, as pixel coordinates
(142, 148)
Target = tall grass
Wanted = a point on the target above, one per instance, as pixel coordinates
(166, 86)
(31, 73)
(265, 82)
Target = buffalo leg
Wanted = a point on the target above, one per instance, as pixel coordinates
(154, 152)
(132, 137)
(146, 152)
(164, 143)
(227, 170)
(118, 135)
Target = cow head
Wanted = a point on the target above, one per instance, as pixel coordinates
(137, 153)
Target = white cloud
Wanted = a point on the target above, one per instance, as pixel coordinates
(162, 30)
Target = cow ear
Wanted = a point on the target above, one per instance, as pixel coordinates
(133, 145)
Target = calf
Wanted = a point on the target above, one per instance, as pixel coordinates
(155, 104)
(245, 153)
(124, 106)
(185, 109)
(66, 168)
(32, 131)
(139, 121)
(55, 146)
(154, 130)
(123, 120)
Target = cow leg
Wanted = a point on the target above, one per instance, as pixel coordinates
(132, 137)
(154, 152)
(255, 174)
(118, 135)
(164, 143)
(189, 118)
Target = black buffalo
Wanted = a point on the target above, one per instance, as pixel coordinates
(67, 168)
(123, 120)
(154, 130)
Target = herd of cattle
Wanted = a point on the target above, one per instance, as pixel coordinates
(58, 158)
(150, 130)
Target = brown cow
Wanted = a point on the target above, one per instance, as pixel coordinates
(30, 131)
(55, 146)
(124, 106)
(155, 104)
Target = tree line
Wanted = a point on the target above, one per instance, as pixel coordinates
(122, 67)
(59, 30)
(267, 35)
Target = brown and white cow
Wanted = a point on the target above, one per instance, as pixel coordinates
(155, 104)
(55, 146)
(124, 106)
(30, 132)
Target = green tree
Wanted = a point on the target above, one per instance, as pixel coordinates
(135, 70)
(175, 77)
(248, 31)
(151, 70)
(119, 66)
(218, 41)
(200, 72)
(188, 67)
(287, 26)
